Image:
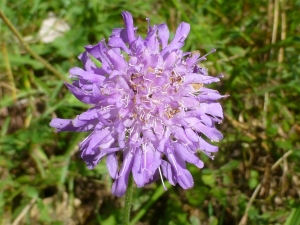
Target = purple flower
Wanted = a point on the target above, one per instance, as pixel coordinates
(149, 106)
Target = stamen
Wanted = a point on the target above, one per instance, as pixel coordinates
(162, 180)
(203, 57)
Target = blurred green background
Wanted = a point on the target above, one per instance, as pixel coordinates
(255, 177)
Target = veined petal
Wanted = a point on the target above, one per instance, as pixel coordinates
(163, 34)
(98, 52)
(88, 64)
(168, 172)
(137, 171)
(77, 72)
(151, 41)
(210, 132)
(117, 42)
(112, 164)
(185, 154)
(120, 185)
(129, 26)
(116, 60)
(181, 33)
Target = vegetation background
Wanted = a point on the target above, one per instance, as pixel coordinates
(255, 177)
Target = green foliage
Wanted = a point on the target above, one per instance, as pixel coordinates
(43, 181)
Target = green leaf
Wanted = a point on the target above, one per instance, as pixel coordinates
(231, 165)
(294, 217)
(30, 191)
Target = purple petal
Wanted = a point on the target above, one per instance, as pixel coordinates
(94, 140)
(171, 59)
(209, 94)
(163, 34)
(116, 60)
(204, 146)
(97, 51)
(112, 165)
(120, 185)
(197, 78)
(185, 179)
(180, 135)
(181, 33)
(137, 169)
(191, 135)
(212, 133)
(127, 17)
(168, 172)
(186, 155)
(67, 125)
(88, 64)
(190, 102)
(192, 60)
(117, 42)
(87, 75)
(171, 47)
(215, 110)
(92, 160)
(151, 41)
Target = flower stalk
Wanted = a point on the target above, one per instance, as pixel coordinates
(128, 202)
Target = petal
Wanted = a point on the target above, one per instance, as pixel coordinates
(121, 139)
(67, 125)
(168, 172)
(151, 41)
(181, 33)
(207, 120)
(89, 114)
(183, 176)
(190, 102)
(62, 124)
(179, 134)
(171, 47)
(192, 121)
(120, 185)
(94, 140)
(215, 109)
(170, 60)
(192, 59)
(137, 169)
(97, 51)
(163, 34)
(88, 64)
(185, 179)
(206, 147)
(197, 78)
(182, 152)
(117, 42)
(112, 165)
(116, 60)
(191, 134)
(209, 94)
(212, 133)
(91, 160)
(90, 75)
(127, 17)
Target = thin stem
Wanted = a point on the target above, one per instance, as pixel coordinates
(29, 50)
(128, 201)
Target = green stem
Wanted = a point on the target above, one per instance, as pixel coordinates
(28, 49)
(128, 201)
(142, 211)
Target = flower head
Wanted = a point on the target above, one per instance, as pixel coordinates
(149, 102)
